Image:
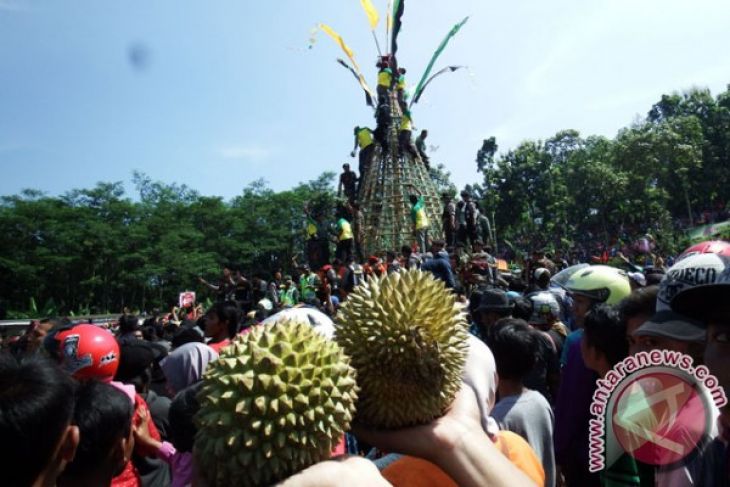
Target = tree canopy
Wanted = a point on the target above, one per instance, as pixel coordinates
(655, 176)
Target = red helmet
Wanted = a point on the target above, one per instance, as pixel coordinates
(88, 352)
(719, 247)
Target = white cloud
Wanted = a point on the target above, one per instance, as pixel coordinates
(251, 153)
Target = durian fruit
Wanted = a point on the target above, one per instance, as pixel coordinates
(407, 338)
(276, 401)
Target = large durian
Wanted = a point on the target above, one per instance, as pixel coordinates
(407, 338)
(276, 401)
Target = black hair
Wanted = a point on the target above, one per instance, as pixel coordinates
(522, 308)
(104, 416)
(186, 334)
(228, 312)
(36, 407)
(183, 409)
(604, 331)
(128, 323)
(515, 346)
(406, 250)
(641, 301)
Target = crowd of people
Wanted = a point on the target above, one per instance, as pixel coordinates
(120, 410)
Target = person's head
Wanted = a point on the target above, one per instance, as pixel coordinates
(186, 365)
(391, 256)
(594, 285)
(413, 199)
(668, 330)
(406, 251)
(222, 320)
(128, 324)
(514, 345)
(521, 307)
(424, 133)
(493, 306)
(85, 351)
(401, 70)
(288, 281)
(635, 309)
(346, 167)
(545, 310)
(604, 339)
(711, 305)
(542, 277)
(477, 246)
(37, 438)
(182, 412)
(103, 415)
(277, 276)
(446, 197)
(37, 332)
(437, 246)
(135, 364)
(465, 196)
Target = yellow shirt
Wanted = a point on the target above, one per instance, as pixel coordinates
(345, 229)
(364, 138)
(406, 123)
(385, 78)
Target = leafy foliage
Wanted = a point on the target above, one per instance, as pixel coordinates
(654, 176)
(97, 250)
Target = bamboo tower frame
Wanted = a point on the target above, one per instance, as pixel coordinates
(385, 190)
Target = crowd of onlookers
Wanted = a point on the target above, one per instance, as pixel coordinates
(125, 398)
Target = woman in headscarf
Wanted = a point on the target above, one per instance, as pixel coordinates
(186, 365)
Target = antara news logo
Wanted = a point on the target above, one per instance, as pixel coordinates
(656, 407)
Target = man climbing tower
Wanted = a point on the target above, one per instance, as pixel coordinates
(385, 82)
(405, 140)
(421, 148)
(348, 182)
(345, 237)
(448, 219)
(420, 221)
(383, 118)
(400, 86)
(364, 140)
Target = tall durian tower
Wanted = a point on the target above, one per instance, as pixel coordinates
(384, 198)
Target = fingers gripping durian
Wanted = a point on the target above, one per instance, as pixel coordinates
(407, 338)
(276, 401)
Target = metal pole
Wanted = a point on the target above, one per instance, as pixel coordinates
(377, 44)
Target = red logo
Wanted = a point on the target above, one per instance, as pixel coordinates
(660, 418)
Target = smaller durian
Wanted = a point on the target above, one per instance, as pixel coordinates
(407, 338)
(276, 401)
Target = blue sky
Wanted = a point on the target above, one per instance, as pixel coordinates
(227, 92)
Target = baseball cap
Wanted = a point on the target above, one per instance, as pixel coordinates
(669, 324)
(691, 272)
(702, 300)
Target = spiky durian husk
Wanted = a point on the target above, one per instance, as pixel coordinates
(407, 338)
(276, 401)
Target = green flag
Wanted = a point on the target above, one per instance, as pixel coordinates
(438, 52)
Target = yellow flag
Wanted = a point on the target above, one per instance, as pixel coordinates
(338, 39)
(372, 14)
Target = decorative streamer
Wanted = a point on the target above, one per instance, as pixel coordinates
(438, 52)
(397, 24)
(417, 94)
(359, 78)
(373, 16)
